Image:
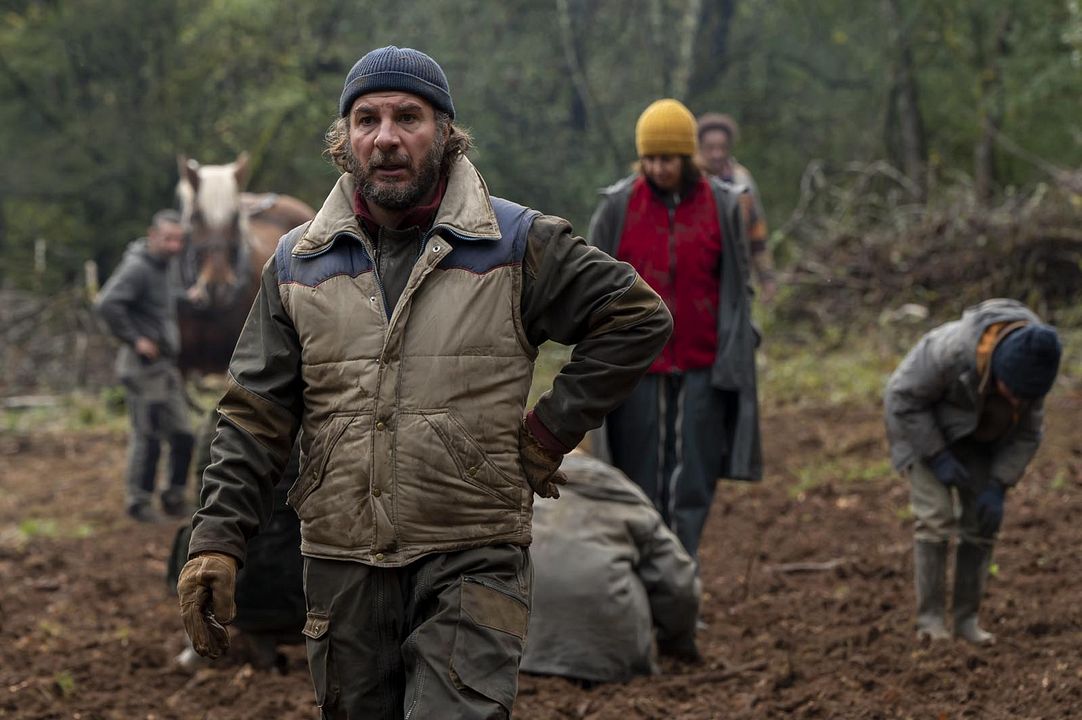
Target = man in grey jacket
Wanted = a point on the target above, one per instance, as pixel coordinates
(964, 412)
(609, 576)
(138, 303)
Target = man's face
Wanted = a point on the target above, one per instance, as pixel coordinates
(663, 170)
(714, 146)
(165, 239)
(398, 147)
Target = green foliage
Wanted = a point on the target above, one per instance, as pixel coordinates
(842, 470)
(64, 682)
(823, 373)
(52, 528)
(98, 97)
(550, 358)
(77, 411)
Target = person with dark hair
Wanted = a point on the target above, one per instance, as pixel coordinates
(963, 413)
(396, 333)
(718, 134)
(139, 305)
(694, 417)
(611, 581)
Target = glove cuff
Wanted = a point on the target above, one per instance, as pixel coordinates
(544, 437)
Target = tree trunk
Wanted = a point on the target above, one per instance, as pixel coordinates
(689, 25)
(990, 106)
(905, 103)
(580, 83)
(659, 44)
(713, 50)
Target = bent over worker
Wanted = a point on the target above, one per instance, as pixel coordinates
(610, 579)
(397, 332)
(964, 412)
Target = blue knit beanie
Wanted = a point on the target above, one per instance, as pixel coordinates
(394, 68)
(1027, 360)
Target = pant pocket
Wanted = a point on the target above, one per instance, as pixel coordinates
(488, 640)
(317, 628)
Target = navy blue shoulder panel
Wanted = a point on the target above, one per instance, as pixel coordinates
(481, 255)
(344, 255)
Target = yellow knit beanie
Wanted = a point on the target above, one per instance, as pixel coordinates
(665, 128)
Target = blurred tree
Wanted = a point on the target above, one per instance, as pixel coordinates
(98, 96)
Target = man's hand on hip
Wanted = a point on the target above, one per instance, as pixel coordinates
(542, 466)
(206, 589)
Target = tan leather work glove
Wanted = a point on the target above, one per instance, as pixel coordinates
(206, 588)
(542, 466)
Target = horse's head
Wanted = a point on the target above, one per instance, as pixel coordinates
(213, 265)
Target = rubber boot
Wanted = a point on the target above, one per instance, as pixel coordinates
(930, 575)
(971, 568)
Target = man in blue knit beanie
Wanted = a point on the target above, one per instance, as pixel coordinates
(964, 412)
(395, 336)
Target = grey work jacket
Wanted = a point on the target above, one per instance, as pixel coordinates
(140, 300)
(935, 396)
(607, 573)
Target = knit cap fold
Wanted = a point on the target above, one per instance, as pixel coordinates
(395, 68)
(666, 127)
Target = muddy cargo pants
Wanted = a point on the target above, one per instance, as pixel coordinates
(439, 638)
(158, 412)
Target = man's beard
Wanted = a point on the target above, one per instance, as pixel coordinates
(406, 194)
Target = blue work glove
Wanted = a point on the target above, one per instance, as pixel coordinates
(948, 470)
(990, 508)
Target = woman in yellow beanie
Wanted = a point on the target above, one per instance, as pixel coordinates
(694, 417)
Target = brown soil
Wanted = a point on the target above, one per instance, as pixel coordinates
(88, 630)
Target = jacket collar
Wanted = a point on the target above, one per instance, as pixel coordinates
(466, 211)
(987, 345)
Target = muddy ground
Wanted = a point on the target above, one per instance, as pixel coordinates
(806, 576)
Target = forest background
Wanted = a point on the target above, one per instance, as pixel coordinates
(97, 97)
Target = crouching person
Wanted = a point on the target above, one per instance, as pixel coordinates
(608, 576)
(963, 413)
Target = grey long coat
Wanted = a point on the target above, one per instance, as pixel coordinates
(734, 360)
(607, 572)
(936, 394)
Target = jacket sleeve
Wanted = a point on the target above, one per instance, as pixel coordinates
(1012, 456)
(123, 290)
(755, 221)
(604, 225)
(577, 295)
(912, 393)
(668, 574)
(258, 417)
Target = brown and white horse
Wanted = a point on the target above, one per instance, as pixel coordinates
(231, 234)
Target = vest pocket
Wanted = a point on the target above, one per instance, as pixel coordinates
(315, 462)
(471, 463)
